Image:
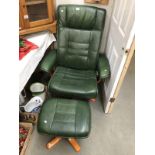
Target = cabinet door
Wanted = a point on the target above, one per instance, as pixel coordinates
(39, 12)
(23, 17)
(21, 23)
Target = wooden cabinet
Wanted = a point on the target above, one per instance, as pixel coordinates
(103, 2)
(36, 15)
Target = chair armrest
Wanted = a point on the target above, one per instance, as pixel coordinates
(103, 67)
(48, 62)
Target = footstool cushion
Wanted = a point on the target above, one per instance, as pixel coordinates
(65, 118)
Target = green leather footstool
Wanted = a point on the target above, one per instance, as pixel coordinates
(65, 118)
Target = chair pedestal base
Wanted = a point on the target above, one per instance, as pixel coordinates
(56, 140)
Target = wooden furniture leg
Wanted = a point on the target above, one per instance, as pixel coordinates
(93, 100)
(74, 144)
(53, 142)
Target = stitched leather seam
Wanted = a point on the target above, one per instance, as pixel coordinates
(68, 41)
(75, 118)
(89, 50)
(77, 74)
(60, 82)
(79, 42)
(75, 77)
(66, 113)
(78, 78)
(54, 114)
(77, 28)
(78, 49)
(60, 68)
(64, 121)
(76, 55)
(84, 74)
(83, 49)
(95, 20)
(83, 19)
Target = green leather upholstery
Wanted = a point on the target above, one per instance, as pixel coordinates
(48, 62)
(81, 17)
(79, 34)
(79, 31)
(103, 67)
(65, 118)
(68, 82)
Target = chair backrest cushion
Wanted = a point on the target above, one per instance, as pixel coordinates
(79, 31)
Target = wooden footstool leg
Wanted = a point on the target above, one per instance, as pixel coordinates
(74, 144)
(93, 100)
(53, 142)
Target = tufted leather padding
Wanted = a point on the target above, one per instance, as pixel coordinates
(74, 83)
(65, 118)
(79, 34)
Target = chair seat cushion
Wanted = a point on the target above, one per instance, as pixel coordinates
(74, 83)
(65, 118)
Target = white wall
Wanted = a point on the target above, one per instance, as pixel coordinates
(109, 11)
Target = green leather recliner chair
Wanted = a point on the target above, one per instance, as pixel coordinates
(78, 65)
(77, 60)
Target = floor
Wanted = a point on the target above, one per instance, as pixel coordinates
(111, 134)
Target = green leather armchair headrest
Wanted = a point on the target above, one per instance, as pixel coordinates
(81, 17)
(78, 35)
